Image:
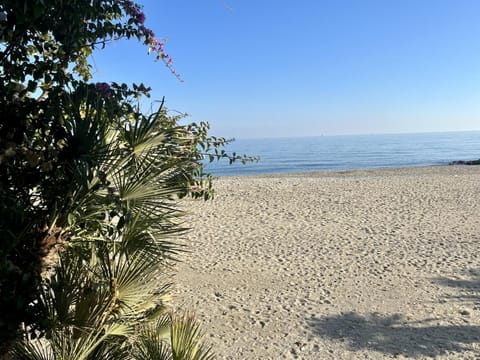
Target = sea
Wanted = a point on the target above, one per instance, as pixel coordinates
(348, 152)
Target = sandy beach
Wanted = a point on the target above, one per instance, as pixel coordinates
(373, 264)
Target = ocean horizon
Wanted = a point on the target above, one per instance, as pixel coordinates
(349, 152)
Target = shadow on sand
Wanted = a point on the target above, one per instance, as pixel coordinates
(395, 336)
(468, 289)
(391, 335)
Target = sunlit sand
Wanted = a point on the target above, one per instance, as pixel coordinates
(338, 265)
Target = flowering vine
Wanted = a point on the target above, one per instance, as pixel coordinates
(103, 88)
(154, 45)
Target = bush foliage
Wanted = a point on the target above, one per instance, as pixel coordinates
(88, 190)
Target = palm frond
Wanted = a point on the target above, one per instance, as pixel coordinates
(118, 210)
(32, 350)
(133, 282)
(153, 235)
(67, 347)
(187, 340)
(60, 293)
(153, 341)
(63, 346)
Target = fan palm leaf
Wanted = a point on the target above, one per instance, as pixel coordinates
(134, 285)
(153, 341)
(62, 346)
(187, 339)
(108, 295)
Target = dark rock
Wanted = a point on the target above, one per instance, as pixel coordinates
(465, 162)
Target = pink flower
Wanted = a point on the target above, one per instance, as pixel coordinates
(133, 11)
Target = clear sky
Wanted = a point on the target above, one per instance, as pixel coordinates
(263, 68)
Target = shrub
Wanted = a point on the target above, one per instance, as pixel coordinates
(88, 189)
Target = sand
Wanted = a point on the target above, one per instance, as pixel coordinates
(338, 265)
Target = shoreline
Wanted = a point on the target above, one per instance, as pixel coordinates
(373, 264)
(329, 172)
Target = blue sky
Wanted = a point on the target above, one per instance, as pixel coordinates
(311, 67)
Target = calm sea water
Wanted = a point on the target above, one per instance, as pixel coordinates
(283, 155)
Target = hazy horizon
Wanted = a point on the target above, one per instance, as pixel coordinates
(358, 134)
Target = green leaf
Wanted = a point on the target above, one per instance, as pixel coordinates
(71, 219)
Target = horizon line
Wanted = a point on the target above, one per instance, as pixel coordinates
(352, 134)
